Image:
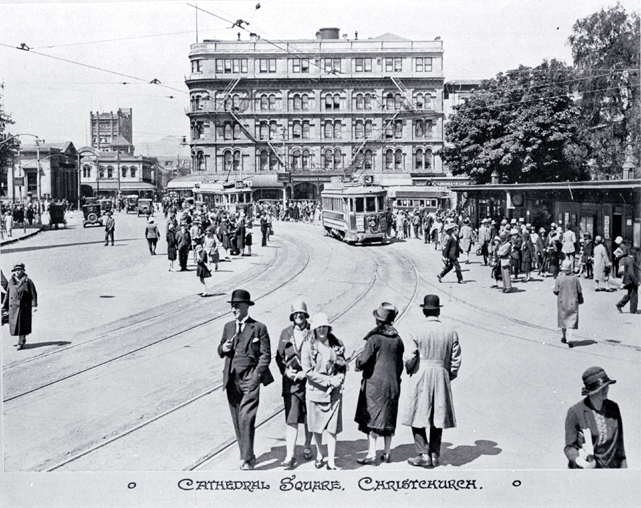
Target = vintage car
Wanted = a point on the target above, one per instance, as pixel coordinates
(92, 216)
(145, 207)
(131, 203)
(56, 215)
(106, 205)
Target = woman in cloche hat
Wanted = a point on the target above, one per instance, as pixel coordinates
(569, 296)
(594, 428)
(381, 362)
(19, 302)
(324, 364)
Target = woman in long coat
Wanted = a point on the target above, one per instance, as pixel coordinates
(172, 245)
(382, 364)
(21, 299)
(601, 261)
(569, 296)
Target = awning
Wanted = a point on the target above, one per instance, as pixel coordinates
(265, 182)
(124, 186)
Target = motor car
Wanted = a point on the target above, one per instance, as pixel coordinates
(106, 205)
(131, 203)
(57, 215)
(145, 207)
(92, 215)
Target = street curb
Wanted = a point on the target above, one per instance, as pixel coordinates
(14, 240)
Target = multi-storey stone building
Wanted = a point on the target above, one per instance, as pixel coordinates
(303, 111)
(109, 130)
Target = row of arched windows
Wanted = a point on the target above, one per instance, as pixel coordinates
(108, 171)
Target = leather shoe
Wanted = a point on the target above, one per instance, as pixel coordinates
(247, 466)
(307, 453)
(366, 460)
(420, 461)
(435, 460)
(386, 457)
(619, 309)
(319, 463)
(439, 278)
(289, 464)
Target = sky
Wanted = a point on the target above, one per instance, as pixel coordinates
(141, 41)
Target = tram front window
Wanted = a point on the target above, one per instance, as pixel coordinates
(360, 204)
(370, 203)
(381, 203)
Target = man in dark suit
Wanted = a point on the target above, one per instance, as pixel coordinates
(110, 226)
(247, 351)
(451, 252)
(183, 241)
(629, 281)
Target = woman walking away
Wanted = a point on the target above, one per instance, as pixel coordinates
(248, 239)
(19, 303)
(172, 245)
(594, 427)
(528, 256)
(324, 365)
(288, 359)
(381, 362)
(569, 296)
(602, 264)
(202, 272)
(210, 245)
(152, 234)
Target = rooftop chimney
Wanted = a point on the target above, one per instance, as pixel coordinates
(253, 36)
(355, 36)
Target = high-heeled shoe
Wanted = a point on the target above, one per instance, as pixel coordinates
(319, 463)
(366, 460)
(289, 464)
(386, 457)
(332, 468)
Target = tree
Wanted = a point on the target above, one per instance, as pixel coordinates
(522, 124)
(605, 48)
(8, 147)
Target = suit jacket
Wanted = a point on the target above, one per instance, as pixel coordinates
(288, 355)
(251, 350)
(629, 277)
(451, 248)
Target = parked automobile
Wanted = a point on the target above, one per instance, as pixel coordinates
(145, 207)
(56, 215)
(92, 215)
(106, 205)
(131, 203)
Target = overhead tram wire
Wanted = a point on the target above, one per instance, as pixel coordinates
(154, 81)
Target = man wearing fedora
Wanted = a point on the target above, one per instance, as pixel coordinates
(246, 348)
(288, 359)
(19, 302)
(594, 427)
(432, 360)
(110, 227)
(451, 251)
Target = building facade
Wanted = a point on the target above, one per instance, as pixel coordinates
(111, 130)
(110, 174)
(303, 111)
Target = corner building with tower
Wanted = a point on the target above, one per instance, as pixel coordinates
(290, 115)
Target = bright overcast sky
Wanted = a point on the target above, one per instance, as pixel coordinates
(52, 98)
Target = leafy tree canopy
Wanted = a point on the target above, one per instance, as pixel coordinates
(523, 124)
(605, 48)
(8, 145)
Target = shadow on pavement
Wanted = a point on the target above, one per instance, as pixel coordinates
(42, 247)
(36, 345)
(578, 343)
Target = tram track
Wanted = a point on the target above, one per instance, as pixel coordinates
(179, 333)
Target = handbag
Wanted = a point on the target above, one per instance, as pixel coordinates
(581, 299)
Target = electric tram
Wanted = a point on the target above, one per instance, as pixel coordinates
(234, 197)
(355, 213)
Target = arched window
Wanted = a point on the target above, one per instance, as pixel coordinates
(329, 159)
(398, 159)
(428, 159)
(264, 130)
(132, 171)
(296, 130)
(338, 159)
(110, 171)
(305, 130)
(428, 129)
(296, 159)
(389, 102)
(124, 171)
(389, 159)
(264, 103)
(86, 171)
(338, 130)
(305, 102)
(297, 102)
(358, 160)
(359, 132)
(228, 130)
(398, 129)
(419, 130)
(200, 162)
(329, 129)
(418, 159)
(398, 101)
(237, 160)
(329, 102)
(305, 161)
(273, 162)
(236, 102)
(273, 130)
(389, 130)
(419, 101)
(368, 129)
(368, 159)
(236, 131)
(272, 102)
(337, 101)
(359, 101)
(264, 160)
(228, 161)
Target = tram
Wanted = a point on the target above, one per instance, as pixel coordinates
(355, 213)
(408, 198)
(234, 198)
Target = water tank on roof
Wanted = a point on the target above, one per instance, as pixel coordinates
(328, 33)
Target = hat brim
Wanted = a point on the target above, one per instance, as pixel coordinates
(430, 307)
(389, 319)
(587, 392)
(248, 302)
(291, 316)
